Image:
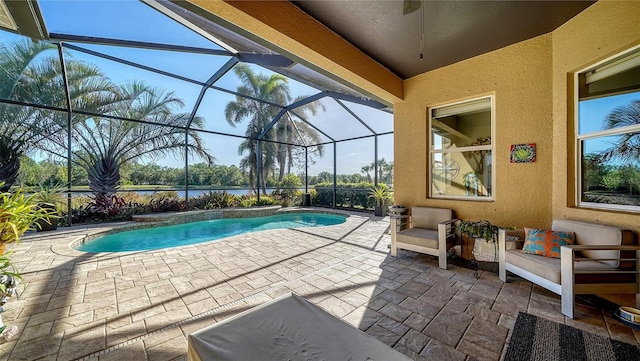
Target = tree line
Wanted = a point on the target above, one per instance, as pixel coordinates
(51, 173)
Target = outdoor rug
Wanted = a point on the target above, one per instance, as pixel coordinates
(537, 339)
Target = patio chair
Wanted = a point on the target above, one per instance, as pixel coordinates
(573, 258)
(431, 231)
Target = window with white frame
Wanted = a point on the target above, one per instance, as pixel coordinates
(608, 134)
(461, 151)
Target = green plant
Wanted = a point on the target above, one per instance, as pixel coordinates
(8, 271)
(213, 200)
(380, 194)
(49, 198)
(49, 195)
(9, 277)
(265, 201)
(479, 229)
(248, 202)
(18, 214)
(289, 186)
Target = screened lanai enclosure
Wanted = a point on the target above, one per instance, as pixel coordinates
(111, 102)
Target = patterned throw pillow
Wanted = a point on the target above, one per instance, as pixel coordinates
(546, 242)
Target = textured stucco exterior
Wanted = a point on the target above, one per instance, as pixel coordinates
(602, 30)
(533, 94)
(519, 78)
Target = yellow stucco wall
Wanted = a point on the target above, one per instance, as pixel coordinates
(602, 30)
(519, 77)
(530, 81)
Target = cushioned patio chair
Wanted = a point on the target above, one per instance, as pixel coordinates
(601, 260)
(431, 231)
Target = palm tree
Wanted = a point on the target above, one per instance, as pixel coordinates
(29, 74)
(103, 145)
(366, 169)
(287, 131)
(272, 89)
(386, 171)
(382, 165)
(627, 145)
(22, 78)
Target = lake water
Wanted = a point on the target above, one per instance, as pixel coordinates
(192, 192)
(199, 192)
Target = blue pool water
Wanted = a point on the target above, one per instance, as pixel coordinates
(197, 232)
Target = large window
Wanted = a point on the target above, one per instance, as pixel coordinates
(608, 134)
(461, 151)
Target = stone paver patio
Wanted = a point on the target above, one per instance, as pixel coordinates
(142, 305)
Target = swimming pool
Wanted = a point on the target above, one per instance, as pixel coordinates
(198, 232)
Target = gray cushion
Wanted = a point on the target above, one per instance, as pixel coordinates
(596, 234)
(419, 237)
(427, 217)
(547, 267)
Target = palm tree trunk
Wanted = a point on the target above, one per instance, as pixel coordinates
(9, 163)
(104, 177)
(282, 160)
(290, 157)
(9, 166)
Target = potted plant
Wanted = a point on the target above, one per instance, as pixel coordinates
(48, 199)
(380, 194)
(9, 278)
(486, 238)
(479, 229)
(18, 214)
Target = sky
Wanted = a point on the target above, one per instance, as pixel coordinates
(593, 114)
(137, 21)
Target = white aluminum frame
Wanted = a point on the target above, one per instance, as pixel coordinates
(445, 231)
(579, 138)
(567, 288)
(491, 147)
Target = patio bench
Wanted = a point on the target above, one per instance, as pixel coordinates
(431, 231)
(602, 260)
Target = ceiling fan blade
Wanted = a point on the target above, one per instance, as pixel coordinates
(409, 6)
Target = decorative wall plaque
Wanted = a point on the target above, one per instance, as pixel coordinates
(523, 153)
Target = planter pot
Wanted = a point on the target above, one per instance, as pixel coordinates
(487, 251)
(44, 226)
(380, 211)
(398, 210)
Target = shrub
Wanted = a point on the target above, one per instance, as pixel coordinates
(348, 195)
(213, 200)
(265, 201)
(159, 205)
(101, 209)
(252, 200)
(248, 201)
